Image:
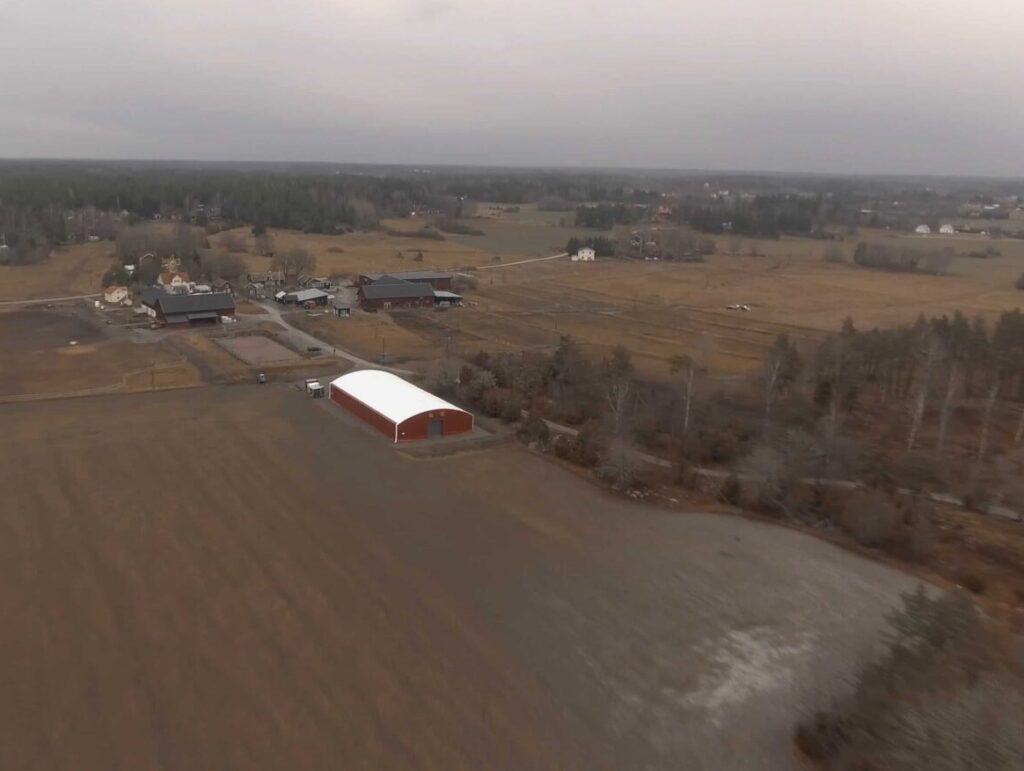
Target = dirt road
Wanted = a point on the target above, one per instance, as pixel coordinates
(238, 578)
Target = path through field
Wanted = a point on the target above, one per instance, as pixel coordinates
(243, 578)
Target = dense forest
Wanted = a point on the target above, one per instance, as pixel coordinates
(46, 203)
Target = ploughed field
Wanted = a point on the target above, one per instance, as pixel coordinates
(242, 578)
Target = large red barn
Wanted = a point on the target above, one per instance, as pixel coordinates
(398, 409)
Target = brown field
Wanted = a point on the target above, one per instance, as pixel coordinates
(238, 577)
(38, 359)
(70, 271)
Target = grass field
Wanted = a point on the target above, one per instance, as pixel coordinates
(240, 577)
(657, 310)
(72, 270)
(355, 253)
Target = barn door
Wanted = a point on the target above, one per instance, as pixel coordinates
(435, 428)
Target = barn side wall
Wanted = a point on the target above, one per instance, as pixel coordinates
(417, 427)
(363, 412)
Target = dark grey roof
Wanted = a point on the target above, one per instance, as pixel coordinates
(399, 291)
(414, 275)
(171, 304)
(149, 294)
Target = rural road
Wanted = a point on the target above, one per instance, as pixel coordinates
(523, 262)
(302, 340)
(50, 300)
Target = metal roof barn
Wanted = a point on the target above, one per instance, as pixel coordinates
(397, 408)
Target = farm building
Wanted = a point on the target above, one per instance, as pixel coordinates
(306, 297)
(584, 255)
(947, 230)
(174, 282)
(439, 281)
(115, 295)
(174, 309)
(398, 409)
(390, 293)
(922, 230)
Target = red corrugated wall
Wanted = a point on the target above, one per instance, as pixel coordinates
(364, 413)
(416, 427)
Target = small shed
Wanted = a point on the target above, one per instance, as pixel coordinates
(308, 297)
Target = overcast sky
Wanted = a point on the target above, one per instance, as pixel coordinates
(920, 86)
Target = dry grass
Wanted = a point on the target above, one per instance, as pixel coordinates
(367, 335)
(657, 310)
(72, 270)
(355, 253)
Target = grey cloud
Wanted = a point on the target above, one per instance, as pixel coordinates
(873, 86)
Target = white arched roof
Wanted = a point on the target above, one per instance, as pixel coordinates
(394, 398)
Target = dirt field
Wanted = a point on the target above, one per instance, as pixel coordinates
(185, 600)
(257, 349)
(38, 358)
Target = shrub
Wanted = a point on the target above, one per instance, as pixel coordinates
(822, 738)
(534, 429)
(871, 518)
(449, 225)
(731, 491)
(1020, 282)
(972, 582)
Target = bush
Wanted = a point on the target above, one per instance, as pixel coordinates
(449, 225)
(972, 582)
(822, 738)
(534, 429)
(731, 491)
(1020, 282)
(871, 518)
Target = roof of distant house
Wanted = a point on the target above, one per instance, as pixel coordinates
(399, 290)
(148, 295)
(195, 303)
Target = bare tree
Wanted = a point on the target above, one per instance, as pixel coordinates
(928, 352)
(782, 366)
(263, 244)
(293, 263)
(953, 376)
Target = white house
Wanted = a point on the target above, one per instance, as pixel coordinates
(947, 230)
(585, 254)
(176, 283)
(923, 230)
(115, 295)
